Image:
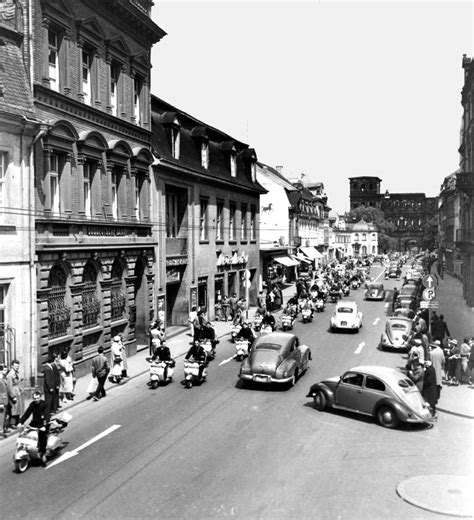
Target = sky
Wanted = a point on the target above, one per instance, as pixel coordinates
(327, 89)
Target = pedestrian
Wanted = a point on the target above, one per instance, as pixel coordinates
(439, 328)
(416, 350)
(67, 382)
(437, 360)
(15, 390)
(156, 333)
(454, 362)
(100, 370)
(48, 384)
(416, 372)
(56, 405)
(233, 304)
(465, 351)
(429, 388)
(395, 294)
(198, 324)
(191, 318)
(225, 307)
(124, 355)
(4, 408)
(262, 302)
(116, 360)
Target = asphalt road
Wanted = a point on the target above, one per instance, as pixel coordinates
(224, 451)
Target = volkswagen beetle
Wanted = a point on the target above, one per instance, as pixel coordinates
(277, 357)
(398, 332)
(384, 393)
(374, 291)
(346, 316)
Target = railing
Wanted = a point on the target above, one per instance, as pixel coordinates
(176, 246)
(90, 306)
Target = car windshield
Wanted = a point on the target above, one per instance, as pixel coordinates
(346, 310)
(268, 346)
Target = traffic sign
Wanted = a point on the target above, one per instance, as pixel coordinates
(429, 281)
(429, 305)
(428, 295)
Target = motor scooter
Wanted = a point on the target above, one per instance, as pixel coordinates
(241, 349)
(266, 329)
(346, 290)
(287, 321)
(319, 305)
(192, 371)
(26, 450)
(335, 295)
(354, 284)
(208, 347)
(157, 372)
(307, 315)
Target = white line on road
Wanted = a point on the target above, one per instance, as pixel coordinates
(358, 350)
(376, 321)
(70, 454)
(383, 271)
(226, 360)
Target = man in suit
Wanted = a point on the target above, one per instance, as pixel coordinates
(49, 384)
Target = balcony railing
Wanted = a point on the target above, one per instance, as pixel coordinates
(176, 246)
(465, 235)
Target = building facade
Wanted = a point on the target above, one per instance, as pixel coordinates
(413, 214)
(206, 217)
(95, 252)
(358, 239)
(465, 182)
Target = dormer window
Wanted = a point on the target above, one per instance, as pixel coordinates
(233, 165)
(175, 141)
(228, 149)
(173, 130)
(205, 154)
(249, 158)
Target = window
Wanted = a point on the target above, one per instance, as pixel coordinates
(90, 301)
(253, 224)
(115, 184)
(205, 155)
(137, 93)
(203, 226)
(220, 220)
(3, 176)
(232, 223)
(86, 187)
(374, 384)
(54, 183)
(353, 379)
(364, 236)
(175, 141)
(356, 237)
(53, 60)
(233, 165)
(243, 222)
(171, 215)
(87, 76)
(138, 185)
(253, 171)
(114, 83)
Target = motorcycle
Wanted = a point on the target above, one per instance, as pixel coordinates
(157, 372)
(26, 450)
(241, 349)
(319, 305)
(307, 315)
(193, 374)
(235, 332)
(287, 321)
(210, 350)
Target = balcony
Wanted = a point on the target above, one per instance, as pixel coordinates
(176, 246)
(465, 182)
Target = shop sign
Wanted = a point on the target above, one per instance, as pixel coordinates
(173, 275)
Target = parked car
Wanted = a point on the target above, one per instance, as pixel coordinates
(346, 316)
(405, 312)
(277, 357)
(398, 332)
(383, 393)
(374, 291)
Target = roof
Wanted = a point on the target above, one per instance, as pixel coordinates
(384, 373)
(280, 338)
(346, 303)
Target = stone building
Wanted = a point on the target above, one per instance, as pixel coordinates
(465, 182)
(18, 130)
(92, 165)
(413, 214)
(207, 214)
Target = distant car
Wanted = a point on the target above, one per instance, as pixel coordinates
(383, 393)
(346, 316)
(393, 272)
(374, 291)
(277, 357)
(398, 332)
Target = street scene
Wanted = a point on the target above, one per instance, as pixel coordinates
(236, 260)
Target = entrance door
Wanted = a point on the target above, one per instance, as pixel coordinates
(202, 295)
(142, 316)
(171, 294)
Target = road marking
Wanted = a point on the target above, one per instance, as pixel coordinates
(376, 321)
(70, 454)
(358, 350)
(227, 360)
(379, 276)
(386, 305)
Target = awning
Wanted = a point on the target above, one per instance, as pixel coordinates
(286, 260)
(311, 252)
(302, 258)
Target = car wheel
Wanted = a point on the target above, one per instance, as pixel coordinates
(387, 417)
(320, 401)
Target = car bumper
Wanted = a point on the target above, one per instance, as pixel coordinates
(265, 378)
(398, 346)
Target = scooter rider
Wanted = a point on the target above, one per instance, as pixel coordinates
(163, 353)
(269, 319)
(246, 333)
(40, 411)
(198, 354)
(208, 332)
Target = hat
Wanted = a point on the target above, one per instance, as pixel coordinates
(453, 341)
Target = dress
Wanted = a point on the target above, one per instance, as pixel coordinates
(67, 382)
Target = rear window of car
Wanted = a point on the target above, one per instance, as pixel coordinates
(406, 383)
(346, 310)
(268, 346)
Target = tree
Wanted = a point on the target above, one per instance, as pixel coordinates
(386, 229)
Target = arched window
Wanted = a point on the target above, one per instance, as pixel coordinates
(356, 237)
(364, 250)
(59, 312)
(90, 300)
